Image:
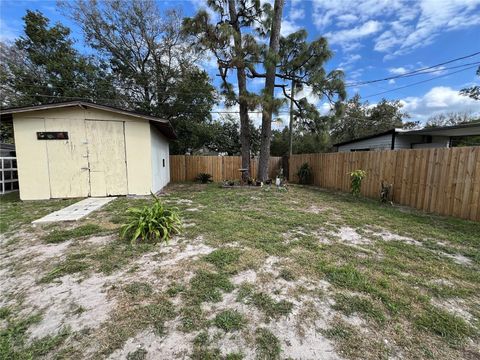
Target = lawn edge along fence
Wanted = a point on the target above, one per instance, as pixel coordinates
(187, 167)
(444, 181)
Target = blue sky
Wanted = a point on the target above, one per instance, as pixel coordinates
(370, 40)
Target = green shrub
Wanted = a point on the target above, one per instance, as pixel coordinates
(304, 174)
(151, 223)
(357, 177)
(204, 178)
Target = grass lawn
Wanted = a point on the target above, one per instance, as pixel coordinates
(255, 274)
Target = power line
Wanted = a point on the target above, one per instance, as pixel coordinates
(417, 83)
(416, 72)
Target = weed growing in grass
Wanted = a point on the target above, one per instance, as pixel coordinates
(207, 286)
(355, 304)
(264, 302)
(267, 345)
(450, 327)
(223, 258)
(138, 289)
(59, 235)
(229, 320)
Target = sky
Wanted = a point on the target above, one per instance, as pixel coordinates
(371, 39)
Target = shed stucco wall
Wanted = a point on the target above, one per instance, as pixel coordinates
(160, 160)
(32, 154)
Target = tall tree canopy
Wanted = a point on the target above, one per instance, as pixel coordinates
(233, 44)
(360, 119)
(473, 91)
(237, 40)
(43, 66)
(153, 64)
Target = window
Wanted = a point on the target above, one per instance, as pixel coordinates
(163, 162)
(52, 135)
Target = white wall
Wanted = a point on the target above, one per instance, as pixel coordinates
(160, 159)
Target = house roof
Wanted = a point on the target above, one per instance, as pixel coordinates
(162, 125)
(468, 129)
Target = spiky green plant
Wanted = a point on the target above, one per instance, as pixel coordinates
(151, 223)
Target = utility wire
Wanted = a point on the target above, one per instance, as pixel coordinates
(418, 71)
(417, 83)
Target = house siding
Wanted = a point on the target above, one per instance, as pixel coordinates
(383, 142)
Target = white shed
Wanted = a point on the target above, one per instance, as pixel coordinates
(80, 149)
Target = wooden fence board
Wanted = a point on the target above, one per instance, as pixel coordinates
(443, 181)
(187, 167)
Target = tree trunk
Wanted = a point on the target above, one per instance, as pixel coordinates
(270, 67)
(290, 132)
(242, 92)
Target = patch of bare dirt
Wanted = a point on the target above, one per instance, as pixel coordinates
(76, 303)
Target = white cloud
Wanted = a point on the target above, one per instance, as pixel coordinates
(439, 99)
(288, 27)
(297, 13)
(406, 24)
(349, 59)
(349, 36)
(398, 71)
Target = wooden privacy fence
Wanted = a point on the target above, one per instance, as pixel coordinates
(442, 181)
(187, 167)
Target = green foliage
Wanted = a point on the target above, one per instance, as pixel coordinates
(473, 91)
(304, 174)
(151, 223)
(229, 320)
(204, 178)
(57, 236)
(360, 119)
(356, 178)
(267, 345)
(43, 66)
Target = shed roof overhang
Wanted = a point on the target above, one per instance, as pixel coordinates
(162, 125)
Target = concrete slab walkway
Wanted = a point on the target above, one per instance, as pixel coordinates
(75, 211)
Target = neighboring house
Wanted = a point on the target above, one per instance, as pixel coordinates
(79, 149)
(411, 139)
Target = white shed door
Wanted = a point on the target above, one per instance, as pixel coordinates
(67, 162)
(106, 156)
